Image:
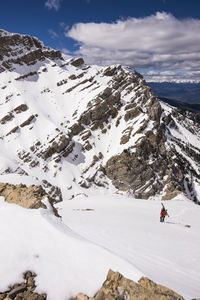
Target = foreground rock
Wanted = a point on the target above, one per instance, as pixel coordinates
(118, 287)
(28, 197)
(23, 290)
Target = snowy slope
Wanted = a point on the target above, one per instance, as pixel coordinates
(95, 234)
(64, 261)
(167, 253)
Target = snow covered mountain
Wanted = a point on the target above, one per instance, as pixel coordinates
(74, 128)
(70, 130)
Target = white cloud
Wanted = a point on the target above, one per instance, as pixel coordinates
(160, 41)
(53, 4)
(53, 34)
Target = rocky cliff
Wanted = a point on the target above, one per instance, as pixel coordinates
(73, 128)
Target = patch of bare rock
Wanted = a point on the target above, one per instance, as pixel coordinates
(23, 291)
(118, 287)
(28, 197)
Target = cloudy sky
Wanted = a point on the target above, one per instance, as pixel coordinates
(159, 38)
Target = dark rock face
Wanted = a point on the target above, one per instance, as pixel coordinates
(133, 170)
(77, 62)
(58, 144)
(101, 109)
(118, 287)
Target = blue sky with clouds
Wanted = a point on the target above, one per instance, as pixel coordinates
(161, 38)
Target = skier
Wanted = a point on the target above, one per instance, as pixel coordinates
(163, 213)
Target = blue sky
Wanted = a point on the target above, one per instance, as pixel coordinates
(161, 38)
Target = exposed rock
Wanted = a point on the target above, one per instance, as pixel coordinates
(77, 62)
(64, 81)
(81, 296)
(106, 93)
(23, 49)
(130, 106)
(28, 197)
(132, 170)
(124, 139)
(171, 195)
(26, 75)
(6, 118)
(72, 77)
(58, 144)
(154, 109)
(101, 109)
(76, 128)
(87, 146)
(132, 113)
(110, 71)
(13, 130)
(21, 108)
(118, 287)
(86, 135)
(28, 121)
(24, 290)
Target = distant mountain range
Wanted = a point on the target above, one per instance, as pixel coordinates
(183, 105)
(184, 92)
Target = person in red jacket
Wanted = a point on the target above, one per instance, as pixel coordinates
(163, 213)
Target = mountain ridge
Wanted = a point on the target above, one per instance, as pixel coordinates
(74, 128)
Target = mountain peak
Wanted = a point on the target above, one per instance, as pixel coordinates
(18, 50)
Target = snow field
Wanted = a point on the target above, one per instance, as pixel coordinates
(65, 262)
(167, 253)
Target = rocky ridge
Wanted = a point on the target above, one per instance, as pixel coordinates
(17, 49)
(90, 127)
(118, 287)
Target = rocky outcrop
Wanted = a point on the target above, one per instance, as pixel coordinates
(24, 290)
(100, 109)
(28, 197)
(23, 49)
(77, 62)
(56, 145)
(118, 287)
(137, 167)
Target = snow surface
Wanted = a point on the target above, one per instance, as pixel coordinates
(64, 261)
(168, 253)
(95, 234)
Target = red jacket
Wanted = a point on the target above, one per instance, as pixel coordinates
(163, 212)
